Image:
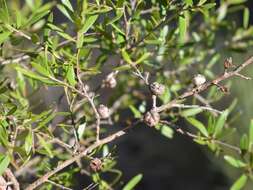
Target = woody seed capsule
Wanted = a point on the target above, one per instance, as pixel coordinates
(103, 111)
(152, 118)
(110, 81)
(157, 88)
(96, 164)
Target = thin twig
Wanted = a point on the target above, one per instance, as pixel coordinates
(196, 106)
(58, 185)
(205, 86)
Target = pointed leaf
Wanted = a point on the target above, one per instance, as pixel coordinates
(133, 182)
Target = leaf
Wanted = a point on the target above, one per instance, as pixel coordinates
(64, 12)
(133, 182)
(39, 14)
(41, 69)
(81, 129)
(88, 23)
(234, 162)
(239, 183)
(198, 125)
(126, 56)
(244, 143)
(119, 14)
(67, 4)
(45, 145)
(191, 112)
(234, 2)
(30, 3)
(251, 134)
(182, 29)
(80, 40)
(28, 142)
(143, 57)
(220, 123)
(4, 163)
(3, 136)
(136, 112)
(71, 75)
(189, 2)
(222, 12)
(35, 76)
(60, 32)
(4, 36)
(201, 2)
(209, 6)
(246, 15)
(165, 130)
(4, 12)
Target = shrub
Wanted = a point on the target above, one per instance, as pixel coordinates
(115, 63)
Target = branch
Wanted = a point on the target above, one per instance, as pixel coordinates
(66, 163)
(205, 86)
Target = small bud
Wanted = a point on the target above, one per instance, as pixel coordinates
(96, 164)
(103, 111)
(157, 88)
(199, 80)
(152, 118)
(110, 81)
(228, 63)
(86, 87)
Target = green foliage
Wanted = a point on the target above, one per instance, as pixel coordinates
(109, 52)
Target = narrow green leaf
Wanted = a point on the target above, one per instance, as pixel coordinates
(133, 182)
(191, 112)
(28, 142)
(119, 14)
(4, 36)
(67, 4)
(234, 162)
(251, 134)
(246, 15)
(189, 2)
(4, 12)
(117, 29)
(81, 129)
(165, 130)
(239, 183)
(201, 2)
(209, 6)
(234, 2)
(198, 125)
(88, 23)
(143, 57)
(182, 29)
(46, 146)
(126, 56)
(65, 12)
(136, 112)
(244, 143)
(40, 69)
(4, 163)
(220, 123)
(80, 40)
(35, 76)
(71, 75)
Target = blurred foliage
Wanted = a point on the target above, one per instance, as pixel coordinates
(171, 40)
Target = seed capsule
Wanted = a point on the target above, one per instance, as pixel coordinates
(110, 81)
(157, 88)
(96, 164)
(103, 111)
(152, 118)
(199, 80)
